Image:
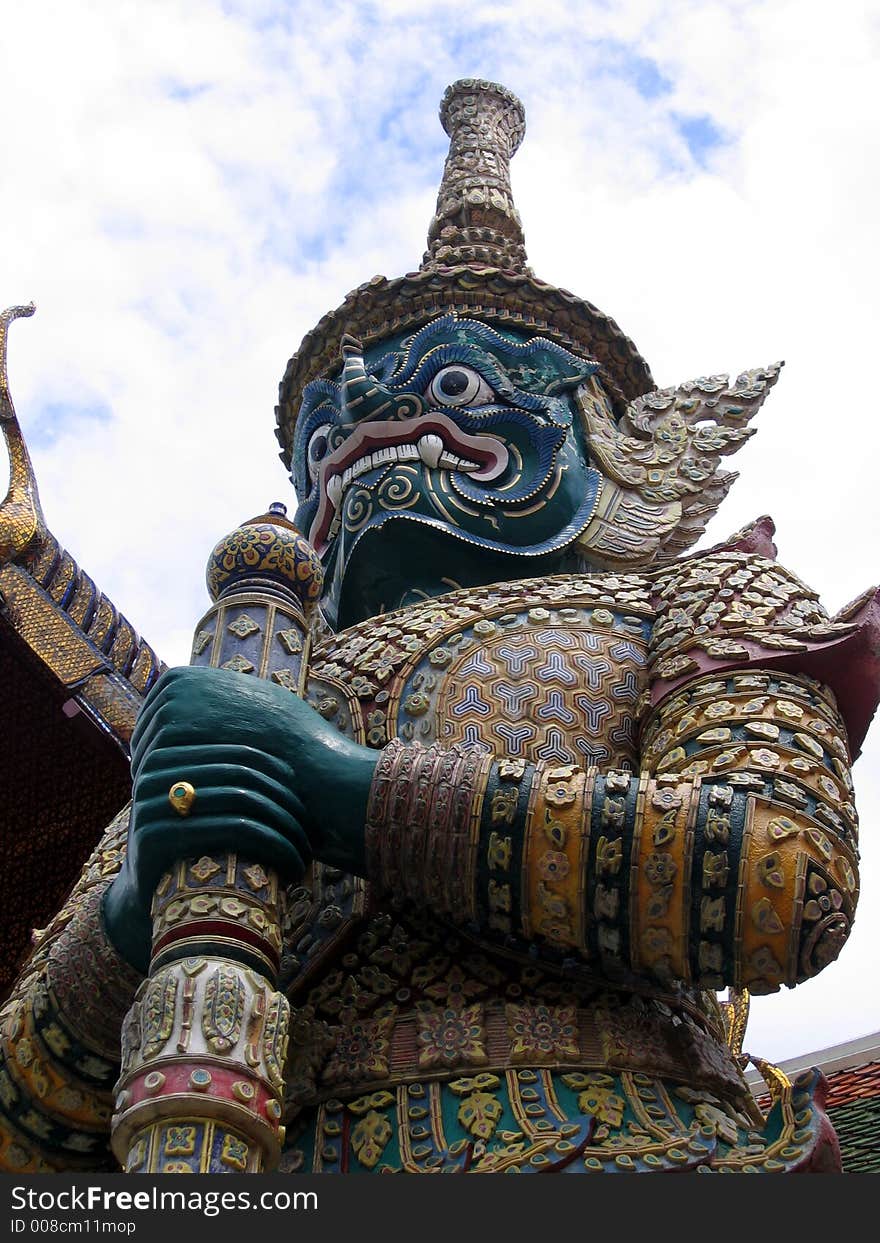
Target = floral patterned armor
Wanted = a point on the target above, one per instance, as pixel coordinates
(588, 779)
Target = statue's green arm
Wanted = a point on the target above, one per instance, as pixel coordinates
(272, 781)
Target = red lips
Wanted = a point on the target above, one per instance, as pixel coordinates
(488, 453)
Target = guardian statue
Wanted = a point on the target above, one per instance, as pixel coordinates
(481, 785)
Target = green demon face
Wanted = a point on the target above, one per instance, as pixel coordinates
(457, 443)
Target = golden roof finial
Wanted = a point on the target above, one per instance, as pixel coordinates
(21, 518)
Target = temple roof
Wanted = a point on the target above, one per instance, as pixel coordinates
(73, 674)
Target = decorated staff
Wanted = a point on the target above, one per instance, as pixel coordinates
(203, 1046)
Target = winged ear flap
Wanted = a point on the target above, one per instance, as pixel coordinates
(697, 511)
(663, 460)
(626, 530)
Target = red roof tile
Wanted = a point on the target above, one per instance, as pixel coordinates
(857, 1084)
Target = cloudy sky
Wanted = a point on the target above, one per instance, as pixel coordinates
(188, 185)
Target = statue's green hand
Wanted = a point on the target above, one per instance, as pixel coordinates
(273, 781)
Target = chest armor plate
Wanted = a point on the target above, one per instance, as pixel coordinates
(546, 670)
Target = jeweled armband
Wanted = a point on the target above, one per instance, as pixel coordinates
(422, 825)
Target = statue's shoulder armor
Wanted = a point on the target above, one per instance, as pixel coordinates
(737, 608)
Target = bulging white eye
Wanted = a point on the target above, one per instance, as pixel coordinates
(459, 386)
(318, 448)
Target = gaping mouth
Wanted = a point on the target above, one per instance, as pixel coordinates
(432, 439)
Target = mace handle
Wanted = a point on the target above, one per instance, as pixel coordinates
(204, 1044)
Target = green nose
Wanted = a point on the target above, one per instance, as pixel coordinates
(364, 397)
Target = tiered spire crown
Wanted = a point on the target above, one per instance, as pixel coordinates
(475, 266)
(476, 221)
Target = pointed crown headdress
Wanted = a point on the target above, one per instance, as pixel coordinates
(475, 265)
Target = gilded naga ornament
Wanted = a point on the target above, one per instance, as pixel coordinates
(502, 811)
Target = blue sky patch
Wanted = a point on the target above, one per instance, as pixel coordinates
(55, 418)
(701, 134)
(184, 91)
(641, 72)
(646, 77)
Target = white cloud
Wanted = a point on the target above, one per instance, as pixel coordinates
(188, 187)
